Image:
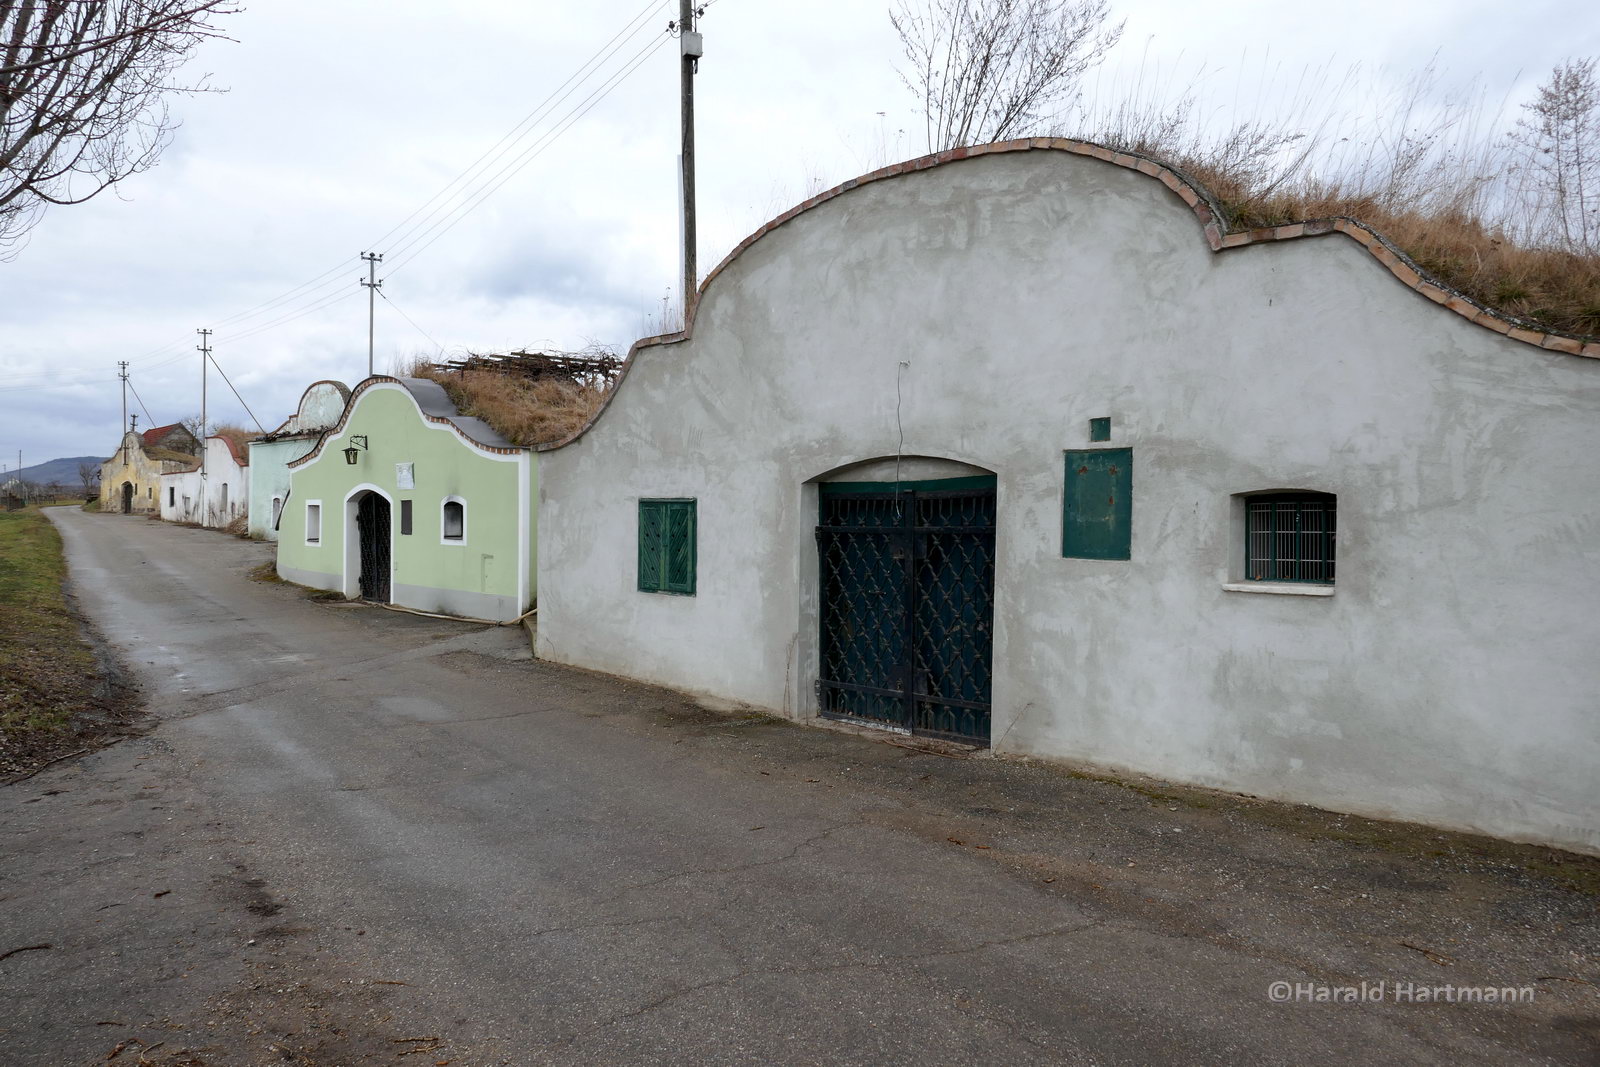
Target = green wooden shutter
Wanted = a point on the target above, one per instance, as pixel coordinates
(667, 548)
(680, 554)
(652, 535)
(1097, 513)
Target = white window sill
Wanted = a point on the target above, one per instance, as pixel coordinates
(1280, 588)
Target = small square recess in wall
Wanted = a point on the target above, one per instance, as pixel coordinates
(1100, 429)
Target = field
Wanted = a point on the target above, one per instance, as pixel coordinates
(54, 698)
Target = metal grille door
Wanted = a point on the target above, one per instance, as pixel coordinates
(908, 605)
(372, 522)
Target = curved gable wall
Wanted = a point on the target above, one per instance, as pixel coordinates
(489, 575)
(1448, 678)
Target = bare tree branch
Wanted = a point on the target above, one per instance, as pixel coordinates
(1560, 143)
(988, 70)
(82, 96)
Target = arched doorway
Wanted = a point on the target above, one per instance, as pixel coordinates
(127, 498)
(906, 598)
(373, 530)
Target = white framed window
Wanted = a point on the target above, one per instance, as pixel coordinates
(453, 521)
(313, 522)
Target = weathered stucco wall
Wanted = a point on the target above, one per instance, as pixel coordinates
(213, 495)
(131, 465)
(320, 407)
(269, 480)
(486, 575)
(988, 309)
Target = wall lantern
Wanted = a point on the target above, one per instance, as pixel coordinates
(352, 453)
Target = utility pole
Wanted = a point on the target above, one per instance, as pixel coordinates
(204, 348)
(372, 284)
(123, 374)
(692, 49)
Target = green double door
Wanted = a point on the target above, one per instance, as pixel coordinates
(907, 584)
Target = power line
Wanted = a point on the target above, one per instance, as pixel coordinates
(236, 395)
(409, 319)
(528, 156)
(582, 74)
(140, 399)
(275, 323)
(473, 186)
(310, 292)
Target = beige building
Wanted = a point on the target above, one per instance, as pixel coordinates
(130, 481)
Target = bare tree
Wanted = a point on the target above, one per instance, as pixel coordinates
(83, 85)
(89, 475)
(1560, 137)
(988, 70)
(195, 426)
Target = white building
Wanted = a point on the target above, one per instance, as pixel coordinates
(1014, 445)
(213, 492)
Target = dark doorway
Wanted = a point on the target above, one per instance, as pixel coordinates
(372, 522)
(127, 498)
(907, 577)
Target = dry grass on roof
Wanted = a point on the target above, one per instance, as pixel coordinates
(1495, 204)
(238, 436)
(524, 412)
(1552, 288)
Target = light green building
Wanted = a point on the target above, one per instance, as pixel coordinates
(406, 501)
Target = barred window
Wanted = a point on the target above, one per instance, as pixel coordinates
(1289, 537)
(667, 546)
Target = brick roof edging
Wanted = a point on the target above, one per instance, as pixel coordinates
(378, 379)
(1208, 211)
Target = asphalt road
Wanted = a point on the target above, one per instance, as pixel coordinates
(358, 836)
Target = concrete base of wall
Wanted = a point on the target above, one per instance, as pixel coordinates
(484, 606)
(457, 602)
(313, 579)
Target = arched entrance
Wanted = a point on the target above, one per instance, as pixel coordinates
(906, 582)
(127, 498)
(373, 531)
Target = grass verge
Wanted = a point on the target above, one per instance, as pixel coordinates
(55, 695)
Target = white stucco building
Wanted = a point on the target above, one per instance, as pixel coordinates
(216, 490)
(1014, 445)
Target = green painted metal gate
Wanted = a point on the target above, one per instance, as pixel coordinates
(372, 522)
(907, 579)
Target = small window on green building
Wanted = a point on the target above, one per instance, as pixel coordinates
(667, 546)
(1097, 506)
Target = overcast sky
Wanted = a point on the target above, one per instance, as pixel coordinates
(342, 117)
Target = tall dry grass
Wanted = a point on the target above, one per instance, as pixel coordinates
(524, 412)
(1434, 171)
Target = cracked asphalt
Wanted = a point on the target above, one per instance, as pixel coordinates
(355, 836)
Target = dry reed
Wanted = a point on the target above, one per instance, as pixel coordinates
(524, 411)
(1426, 169)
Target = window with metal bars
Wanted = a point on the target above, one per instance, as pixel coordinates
(667, 546)
(1289, 537)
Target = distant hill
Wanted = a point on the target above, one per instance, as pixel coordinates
(62, 471)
